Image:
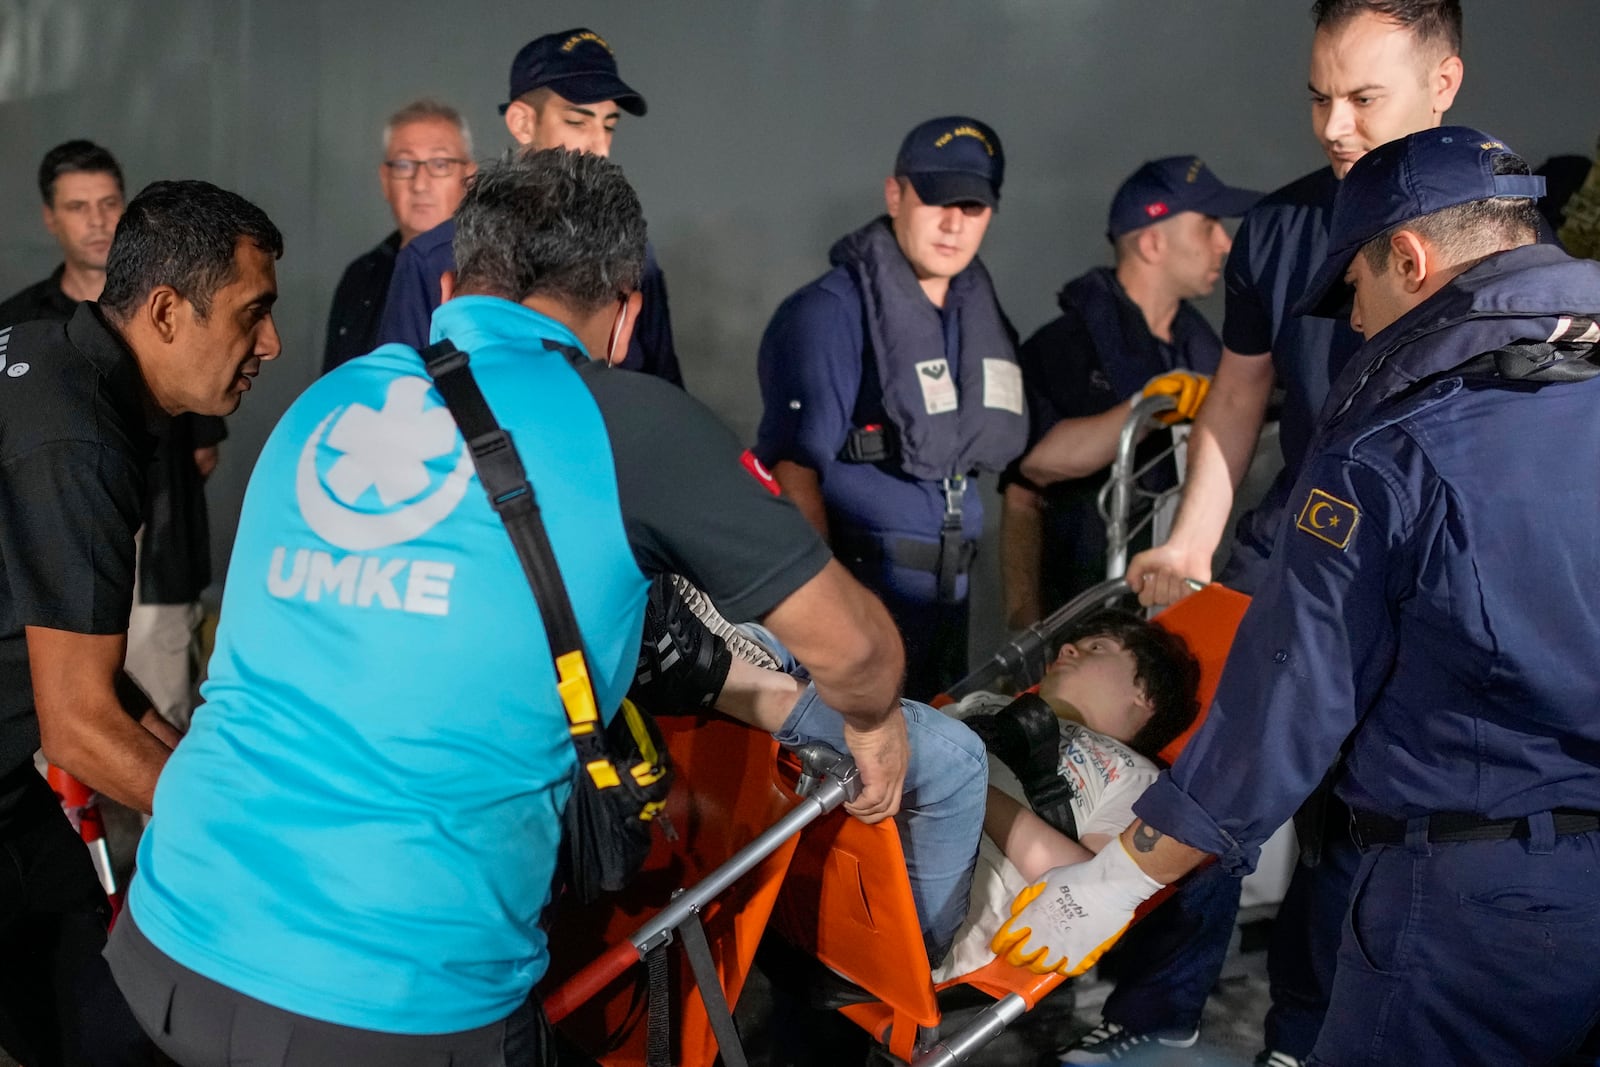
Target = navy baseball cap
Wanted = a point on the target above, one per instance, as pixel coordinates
(1403, 180)
(1164, 187)
(578, 65)
(953, 160)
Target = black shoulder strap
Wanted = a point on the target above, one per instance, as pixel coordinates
(505, 479)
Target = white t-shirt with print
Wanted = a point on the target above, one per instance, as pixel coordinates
(1106, 777)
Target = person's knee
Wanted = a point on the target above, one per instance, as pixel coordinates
(948, 759)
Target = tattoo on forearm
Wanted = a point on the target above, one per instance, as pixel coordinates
(1145, 837)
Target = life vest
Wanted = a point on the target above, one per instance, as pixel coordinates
(946, 422)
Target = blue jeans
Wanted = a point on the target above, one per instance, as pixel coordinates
(941, 808)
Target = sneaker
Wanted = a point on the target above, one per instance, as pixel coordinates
(739, 643)
(1110, 1042)
(682, 664)
(1273, 1058)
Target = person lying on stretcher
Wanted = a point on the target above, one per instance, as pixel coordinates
(1067, 763)
(1119, 691)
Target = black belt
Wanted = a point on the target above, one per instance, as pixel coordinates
(942, 557)
(1451, 826)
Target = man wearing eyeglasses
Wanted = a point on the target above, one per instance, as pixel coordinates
(565, 92)
(427, 159)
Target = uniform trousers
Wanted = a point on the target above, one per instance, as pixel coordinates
(1468, 953)
(1306, 933)
(1166, 965)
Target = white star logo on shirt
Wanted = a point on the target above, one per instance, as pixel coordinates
(389, 449)
(386, 450)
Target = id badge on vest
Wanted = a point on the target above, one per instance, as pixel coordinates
(939, 393)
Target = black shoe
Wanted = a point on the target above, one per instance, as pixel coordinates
(682, 664)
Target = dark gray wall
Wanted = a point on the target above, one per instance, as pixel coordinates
(771, 126)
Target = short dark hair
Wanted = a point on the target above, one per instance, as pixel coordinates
(1472, 230)
(1164, 669)
(1431, 22)
(184, 234)
(75, 157)
(554, 222)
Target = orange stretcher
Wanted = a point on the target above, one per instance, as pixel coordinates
(760, 855)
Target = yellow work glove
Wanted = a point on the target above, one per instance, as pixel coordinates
(1187, 389)
(1066, 922)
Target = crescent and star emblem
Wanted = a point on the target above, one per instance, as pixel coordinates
(1327, 518)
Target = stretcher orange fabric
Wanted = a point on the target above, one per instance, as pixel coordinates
(839, 892)
(847, 900)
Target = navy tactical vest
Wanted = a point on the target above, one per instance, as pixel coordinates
(980, 424)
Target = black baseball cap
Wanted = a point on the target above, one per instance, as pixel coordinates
(953, 160)
(578, 65)
(1165, 187)
(1403, 180)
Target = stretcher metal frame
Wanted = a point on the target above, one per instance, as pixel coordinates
(828, 779)
(1122, 488)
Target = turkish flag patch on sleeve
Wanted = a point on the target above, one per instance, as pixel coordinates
(762, 475)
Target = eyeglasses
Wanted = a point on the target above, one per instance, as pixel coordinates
(438, 167)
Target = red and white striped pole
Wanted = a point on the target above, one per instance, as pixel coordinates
(82, 806)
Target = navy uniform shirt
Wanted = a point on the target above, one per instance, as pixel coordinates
(414, 293)
(1072, 369)
(358, 304)
(74, 449)
(1281, 242)
(1429, 610)
(810, 367)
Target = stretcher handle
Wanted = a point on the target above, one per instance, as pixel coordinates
(837, 782)
(1121, 487)
(984, 1027)
(1013, 657)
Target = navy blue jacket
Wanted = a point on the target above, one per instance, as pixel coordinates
(1429, 606)
(414, 293)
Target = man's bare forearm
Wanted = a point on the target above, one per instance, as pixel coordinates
(802, 485)
(107, 751)
(1021, 548)
(848, 643)
(84, 723)
(1161, 857)
(1221, 446)
(1076, 448)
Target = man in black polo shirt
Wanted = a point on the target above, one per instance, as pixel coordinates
(82, 188)
(182, 325)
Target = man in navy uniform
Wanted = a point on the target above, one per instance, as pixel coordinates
(1427, 612)
(1120, 328)
(1380, 69)
(890, 380)
(565, 93)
